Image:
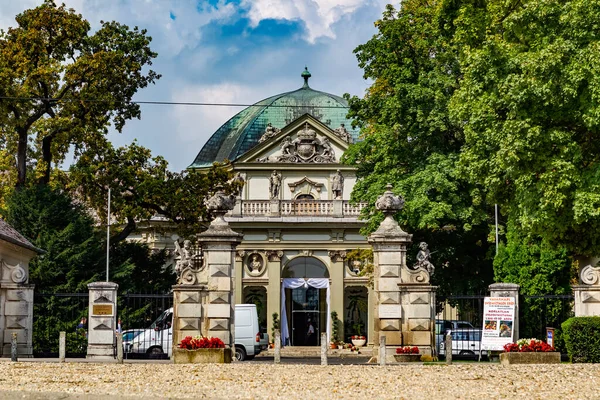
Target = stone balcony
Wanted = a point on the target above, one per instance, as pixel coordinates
(294, 208)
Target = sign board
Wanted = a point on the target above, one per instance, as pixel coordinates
(498, 322)
(102, 309)
(550, 336)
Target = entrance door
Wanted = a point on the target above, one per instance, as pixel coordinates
(306, 320)
(304, 311)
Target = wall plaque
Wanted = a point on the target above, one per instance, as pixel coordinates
(390, 311)
(102, 309)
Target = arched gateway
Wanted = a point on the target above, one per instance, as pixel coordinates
(305, 301)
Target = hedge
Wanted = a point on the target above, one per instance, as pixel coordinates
(582, 339)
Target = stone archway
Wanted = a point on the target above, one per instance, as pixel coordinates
(305, 301)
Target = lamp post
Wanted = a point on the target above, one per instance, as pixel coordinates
(108, 237)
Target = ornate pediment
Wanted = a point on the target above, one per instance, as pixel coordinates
(305, 181)
(304, 141)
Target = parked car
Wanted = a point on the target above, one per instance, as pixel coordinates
(157, 340)
(130, 334)
(465, 343)
(443, 326)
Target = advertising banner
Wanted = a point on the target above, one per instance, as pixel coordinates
(498, 322)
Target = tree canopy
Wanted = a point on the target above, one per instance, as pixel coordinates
(61, 87)
(410, 141)
(480, 102)
(529, 103)
(143, 187)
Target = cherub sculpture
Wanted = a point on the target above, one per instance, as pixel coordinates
(423, 259)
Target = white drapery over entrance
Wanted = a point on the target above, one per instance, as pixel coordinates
(294, 283)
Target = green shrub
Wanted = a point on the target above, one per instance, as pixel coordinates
(582, 339)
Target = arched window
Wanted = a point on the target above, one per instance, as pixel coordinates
(304, 197)
(305, 267)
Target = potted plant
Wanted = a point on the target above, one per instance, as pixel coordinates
(201, 349)
(407, 354)
(274, 327)
(358, 340)
(334, 330)
(529, 351)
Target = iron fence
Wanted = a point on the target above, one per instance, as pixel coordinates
(463, 315)
(56, 312)
(137, 313)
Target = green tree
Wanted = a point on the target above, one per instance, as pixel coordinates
(79, 84)
(75, 256)
(142, 187)
(410, 141)
(528, 102)
(540, 269)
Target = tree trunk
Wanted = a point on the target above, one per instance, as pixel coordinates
(47, 159)
(21, 157)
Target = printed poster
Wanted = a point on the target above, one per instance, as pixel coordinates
(498, 322)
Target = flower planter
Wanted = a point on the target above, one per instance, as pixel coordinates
(359, 342)
(550, 357)
(202, 356)
(402, 358)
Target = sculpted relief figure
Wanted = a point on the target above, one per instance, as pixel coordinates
(343, 133)
(287, 147)
(239, 179)
(337, 185)
(274, 185)
(327, 149)
(423, 259)
(270, 131)
(183, 256)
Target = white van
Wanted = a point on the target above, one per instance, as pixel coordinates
(158, 338)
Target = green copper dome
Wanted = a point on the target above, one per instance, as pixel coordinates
(242, 132)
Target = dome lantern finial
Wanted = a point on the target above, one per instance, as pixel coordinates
(305, 74)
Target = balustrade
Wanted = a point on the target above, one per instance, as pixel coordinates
(251, 208)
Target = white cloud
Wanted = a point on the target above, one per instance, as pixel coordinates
(318, 15)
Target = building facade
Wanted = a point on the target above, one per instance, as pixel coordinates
(295, 214)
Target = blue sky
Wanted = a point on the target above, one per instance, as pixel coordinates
(221, 51)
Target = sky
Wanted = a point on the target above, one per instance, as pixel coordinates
(228, 51)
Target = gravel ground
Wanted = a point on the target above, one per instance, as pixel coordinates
(37, 380)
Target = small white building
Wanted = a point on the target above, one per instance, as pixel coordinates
(16, 295)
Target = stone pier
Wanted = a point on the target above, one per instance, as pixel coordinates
(101, 320)
(204, 295)
(587, 293)
(404, 300)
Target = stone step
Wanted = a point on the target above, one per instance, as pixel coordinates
(314, 351)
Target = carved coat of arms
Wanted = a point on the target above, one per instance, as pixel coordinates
(306, 148)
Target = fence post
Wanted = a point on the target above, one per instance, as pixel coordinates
(62, 346)
(449, 349)
(323, 349)
(277, 346)
(119, 348)
(382, 350)
(13, 347)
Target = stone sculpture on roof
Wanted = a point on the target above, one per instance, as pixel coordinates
(270, 131)
(343, 133)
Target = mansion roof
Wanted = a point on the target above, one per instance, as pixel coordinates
(244, 130)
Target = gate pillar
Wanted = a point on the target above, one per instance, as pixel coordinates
(587, 293)
(404, 300)
(101, 320)
(204, 294)
(508, 290)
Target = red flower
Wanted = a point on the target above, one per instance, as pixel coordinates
(407, 350)
(201, 342)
